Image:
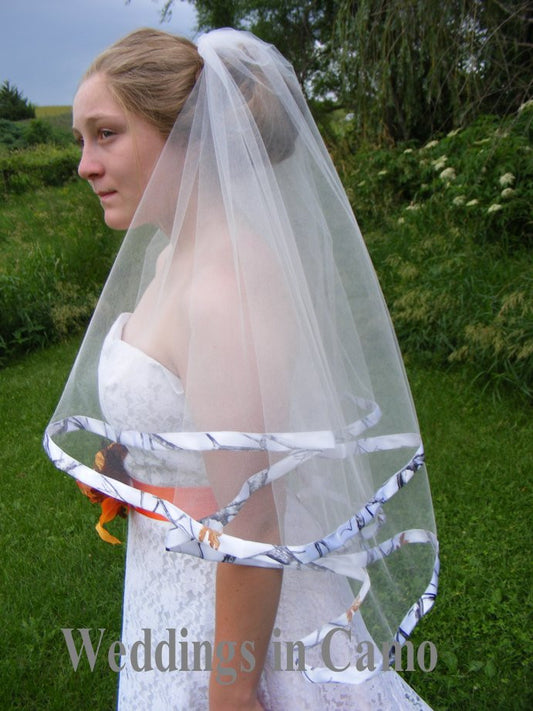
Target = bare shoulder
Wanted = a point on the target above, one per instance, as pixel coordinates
(214, 294)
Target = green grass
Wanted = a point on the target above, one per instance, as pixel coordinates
(65, 220)
(57, 573)
(480, 458)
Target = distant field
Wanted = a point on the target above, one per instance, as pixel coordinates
(46, 111)
(59, 116)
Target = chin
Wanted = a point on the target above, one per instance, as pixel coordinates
(117, 222)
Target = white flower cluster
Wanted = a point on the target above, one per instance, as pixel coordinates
(507, 179)
(447, 175)
(439, 163)
(525, 105)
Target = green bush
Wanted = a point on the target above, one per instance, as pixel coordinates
(30, 169)
(52, 130)
(450, 229)
(479, 179)
(40, 304)
(39, 132)
(25, 298)
(12, 134)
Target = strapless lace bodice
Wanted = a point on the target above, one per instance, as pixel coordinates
(138, 393)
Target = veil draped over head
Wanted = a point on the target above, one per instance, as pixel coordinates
(251, 289)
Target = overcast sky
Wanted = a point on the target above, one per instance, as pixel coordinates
(46, 45)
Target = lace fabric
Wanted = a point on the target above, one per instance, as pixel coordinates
(164, 591)
(128, 379)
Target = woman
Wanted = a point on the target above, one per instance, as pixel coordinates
(238, 352)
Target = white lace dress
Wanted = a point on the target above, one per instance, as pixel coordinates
(168, 614)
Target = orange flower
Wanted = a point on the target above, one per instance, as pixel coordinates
(110, 509)
(108, 461)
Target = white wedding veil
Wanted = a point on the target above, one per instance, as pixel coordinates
(247, 276)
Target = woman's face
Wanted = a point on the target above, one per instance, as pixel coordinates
(119, 150)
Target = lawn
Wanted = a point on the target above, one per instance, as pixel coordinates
(56, 573)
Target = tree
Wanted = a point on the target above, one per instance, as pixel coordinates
(13, 106)
(406, 69)
(412, 68)
(506, 54)
(301, 29)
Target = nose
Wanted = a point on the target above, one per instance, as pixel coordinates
(89, 166)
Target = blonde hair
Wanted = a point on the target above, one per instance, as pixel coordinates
(273, 123)
(151, 74)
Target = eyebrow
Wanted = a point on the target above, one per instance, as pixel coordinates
(94, 118)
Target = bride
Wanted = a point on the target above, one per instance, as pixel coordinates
(240, 393)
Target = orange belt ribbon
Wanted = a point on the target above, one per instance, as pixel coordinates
(197, 501)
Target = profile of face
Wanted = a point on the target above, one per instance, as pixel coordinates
(119, 150)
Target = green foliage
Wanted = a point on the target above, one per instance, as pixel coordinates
(13, 105)
(39, 132)
(11, 134)
(480, 177)
(23, 134)
(60, 119)
(450, 229)
(410, 69)
(55, 253)
(406, 69)
(303, 31)
(21, 171)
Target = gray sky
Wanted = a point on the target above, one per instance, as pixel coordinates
(46, 45)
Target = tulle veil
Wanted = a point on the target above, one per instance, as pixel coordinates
(247, 272)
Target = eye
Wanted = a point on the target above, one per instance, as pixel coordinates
(105, 133)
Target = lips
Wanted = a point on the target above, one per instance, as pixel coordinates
(105, 194)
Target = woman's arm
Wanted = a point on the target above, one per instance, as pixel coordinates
(229, 387)
(246, 604)
(247, 599)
